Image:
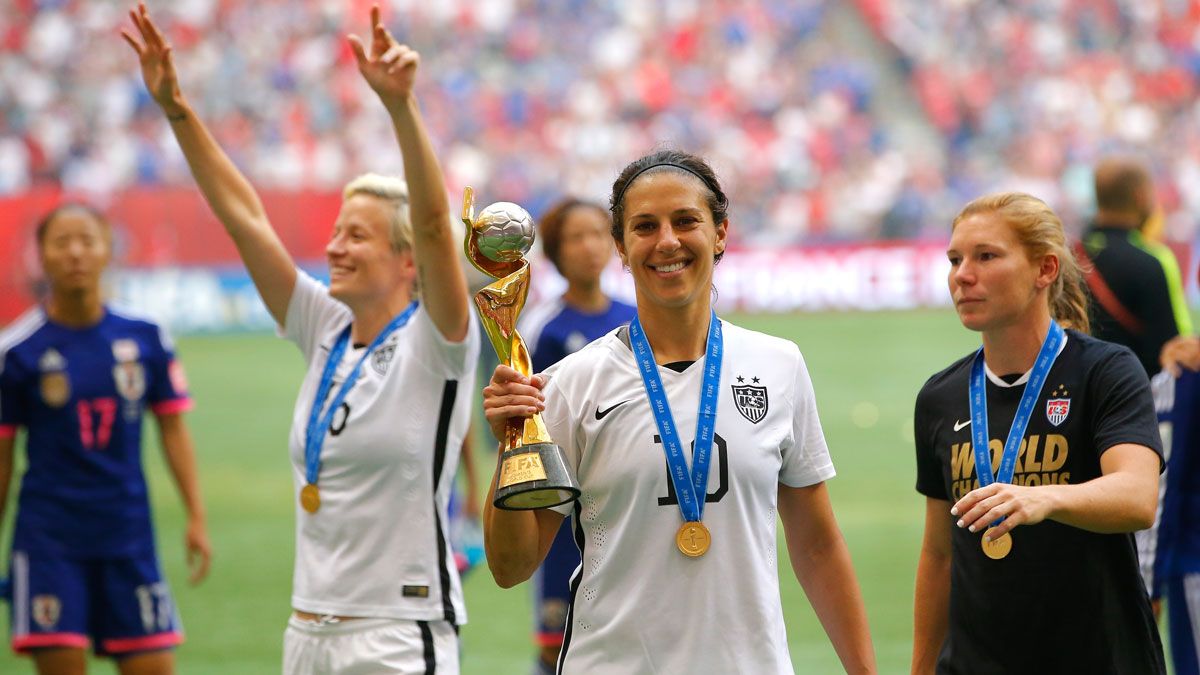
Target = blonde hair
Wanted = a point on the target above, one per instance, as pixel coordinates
(394, 191)
(1041, 233)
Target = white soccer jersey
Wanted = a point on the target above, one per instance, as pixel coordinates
(378, 546)
(638, 604)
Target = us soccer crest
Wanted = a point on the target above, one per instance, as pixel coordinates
(750, 399)
(1058, 406)
(46, 610)
(130, 379)
(383, 357)
(55, 386)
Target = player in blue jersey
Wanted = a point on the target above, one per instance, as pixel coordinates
(575, 238)
(1170, 552)
(77, 375)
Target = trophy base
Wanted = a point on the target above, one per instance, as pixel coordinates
(534, 476)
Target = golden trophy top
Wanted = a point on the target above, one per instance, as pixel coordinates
(498, 239)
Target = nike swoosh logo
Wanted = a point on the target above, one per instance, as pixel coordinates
(601, 414)
(958, 426)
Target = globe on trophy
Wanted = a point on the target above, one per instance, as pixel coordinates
(534, 473)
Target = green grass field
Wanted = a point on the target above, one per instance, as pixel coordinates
(866, 368)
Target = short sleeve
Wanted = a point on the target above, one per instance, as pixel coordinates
(806, 458)
(930, 481)
(1124, 411)
(167, 390)
(14, 409)
(452, 360)
(311, 314)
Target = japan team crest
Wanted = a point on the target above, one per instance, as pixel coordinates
(130, 379)
(56, 389)
(55, 386)
(46, 610)
(750, 399)
(1058, 406)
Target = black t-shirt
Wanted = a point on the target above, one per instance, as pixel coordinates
(1064, 600)
(1139, 281)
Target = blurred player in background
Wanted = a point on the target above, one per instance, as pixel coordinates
(1170, 551)
(679, 569)
(1038, 456)
(576, 237)
(1135, 284)
(380, 418)
(78, 375)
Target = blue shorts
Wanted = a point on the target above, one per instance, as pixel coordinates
(120, 605)
(1183, 622)
(553, 587)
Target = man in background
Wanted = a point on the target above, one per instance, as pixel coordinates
(1137, 292)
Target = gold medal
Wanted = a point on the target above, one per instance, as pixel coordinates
(310, 498)
(693, 539)
(997, 548)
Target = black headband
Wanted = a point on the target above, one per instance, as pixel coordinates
(621, 195)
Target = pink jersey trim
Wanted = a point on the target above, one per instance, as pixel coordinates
(139, 644)
(24, 643)
(8, 430)
(172, 406)
(549, 639)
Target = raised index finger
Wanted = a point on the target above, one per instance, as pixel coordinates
(149, 30)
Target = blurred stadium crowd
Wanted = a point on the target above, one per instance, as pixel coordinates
(532, 98)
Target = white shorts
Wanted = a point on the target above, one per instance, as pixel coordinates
(369, 647)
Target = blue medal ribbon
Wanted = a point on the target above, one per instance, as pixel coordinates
(691, 492)
(318, 423)
(1033, 390)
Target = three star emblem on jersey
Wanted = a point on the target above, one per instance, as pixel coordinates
(1058, 406)
(382, 356)
(750, 399)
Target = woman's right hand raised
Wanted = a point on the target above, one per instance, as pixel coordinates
(511, 395)
(154, 53)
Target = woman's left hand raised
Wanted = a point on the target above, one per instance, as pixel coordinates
(388, 66)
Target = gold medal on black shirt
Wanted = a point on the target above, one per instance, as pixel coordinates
(996, 548)
(310, 498)
(693, 539)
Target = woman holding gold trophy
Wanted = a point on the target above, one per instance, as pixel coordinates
(382, 411)
(678, 545)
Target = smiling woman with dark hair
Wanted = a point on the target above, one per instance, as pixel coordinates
(688, 434)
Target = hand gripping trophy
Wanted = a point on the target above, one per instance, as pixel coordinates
(533, 470)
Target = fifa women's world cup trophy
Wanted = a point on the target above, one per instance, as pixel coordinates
(533, 470)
